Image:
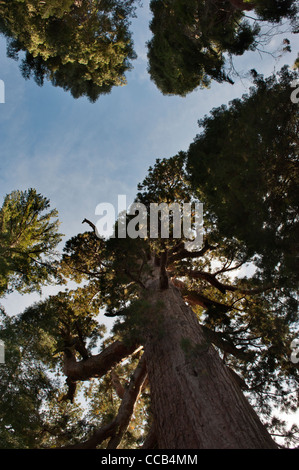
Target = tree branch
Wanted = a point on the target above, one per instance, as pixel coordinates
(211, 279)
(217, 339)
(195, 298)
(117, 384)
(183, 253)
(97, 365)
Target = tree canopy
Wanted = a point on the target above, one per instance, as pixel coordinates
(192, 39)
(85, 46)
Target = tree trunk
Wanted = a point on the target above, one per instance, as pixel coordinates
(196, 402)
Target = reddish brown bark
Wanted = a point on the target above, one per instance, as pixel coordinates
(196, 402)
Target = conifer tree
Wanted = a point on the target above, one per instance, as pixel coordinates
(28, 238)
(200, 352)
(193, 39)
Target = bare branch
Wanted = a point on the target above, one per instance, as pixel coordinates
(90, 224)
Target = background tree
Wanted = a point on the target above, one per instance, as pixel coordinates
(28, 238)
(84, 47)
(192, 40)
(244, 164)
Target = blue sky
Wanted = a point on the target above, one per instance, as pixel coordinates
(80, 154)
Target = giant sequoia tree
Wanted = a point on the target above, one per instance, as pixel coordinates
(194, 357)
(83, 46)
(192, 39)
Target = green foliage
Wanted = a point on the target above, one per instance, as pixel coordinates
(275, 10)
(84, 47)
(28, 237)
(244, 166)
(111, 268)
(193, 38)
(68, 320)
(33, 411)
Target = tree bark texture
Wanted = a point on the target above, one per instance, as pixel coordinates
(196, 402)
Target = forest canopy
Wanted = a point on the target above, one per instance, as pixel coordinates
(244, 164)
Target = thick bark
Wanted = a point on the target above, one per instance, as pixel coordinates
(196, 402)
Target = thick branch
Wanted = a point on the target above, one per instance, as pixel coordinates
(98, 365)
(195, 298)
(71, 392)
(211, 279)
(117, 384)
